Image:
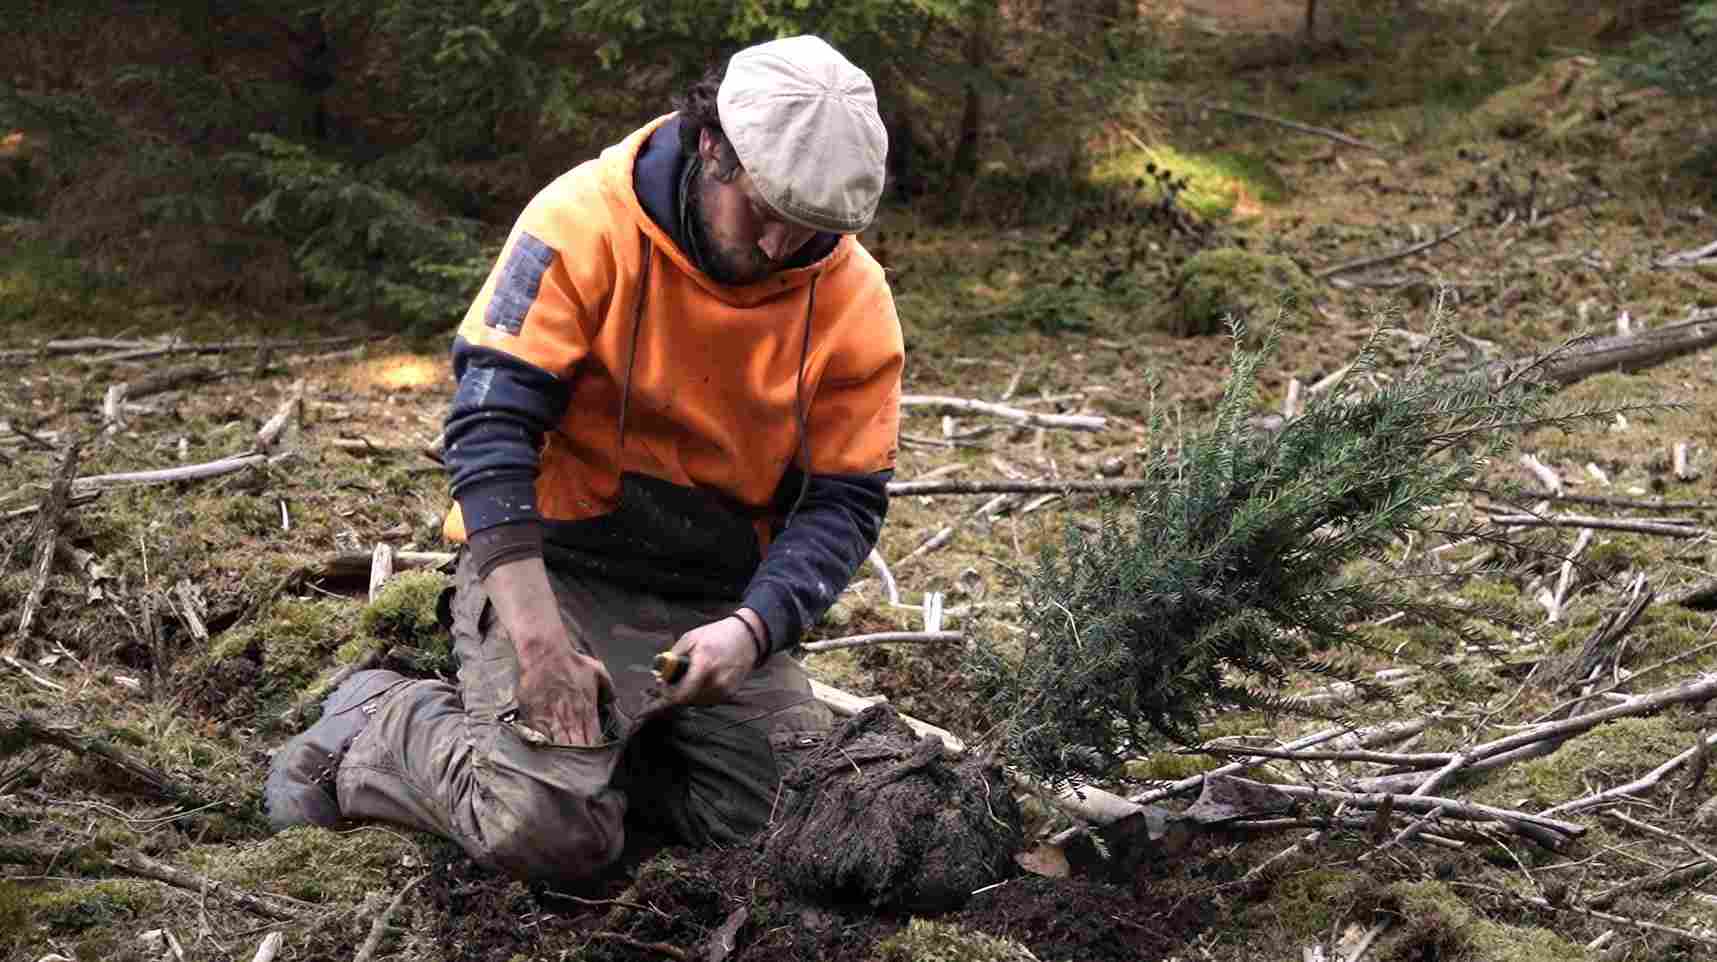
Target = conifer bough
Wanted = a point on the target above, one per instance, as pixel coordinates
(1221, 578)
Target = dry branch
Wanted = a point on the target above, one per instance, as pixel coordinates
(355, 566)
(1540, 828)
(1602, 501)
(885, 638)
(27, 727)
(189, 472)
(379, 928)
(276, 425)
(954, 405)
(1543, 739)
(144, 353)
(48, 515)
(1295, 125)
(1602, 524)
(1627, 352)
(268, 906)
(1337, 738)
(1405, 252)
(1645, 783)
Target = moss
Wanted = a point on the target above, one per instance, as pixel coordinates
(1306, 905)
(1218, 184)
(1168, 766)
(278, 864)
(76, 914)
(404, 614)
(1610, 754)
(1433, 923)
(926, 941)
(1228, 281)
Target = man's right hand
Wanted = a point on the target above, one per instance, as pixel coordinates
(560, 688)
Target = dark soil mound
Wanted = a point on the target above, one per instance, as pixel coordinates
(878, 816)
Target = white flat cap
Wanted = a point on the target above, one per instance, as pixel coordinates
(803, 121)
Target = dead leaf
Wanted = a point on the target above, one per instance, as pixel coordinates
(1046, 860)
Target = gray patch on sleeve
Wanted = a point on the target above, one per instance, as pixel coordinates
(516, 289)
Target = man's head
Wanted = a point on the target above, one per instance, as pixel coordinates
(791, 144)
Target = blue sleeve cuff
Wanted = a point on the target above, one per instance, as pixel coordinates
(782, 619)
(496, 502)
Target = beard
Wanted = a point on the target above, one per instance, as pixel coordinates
(725, 259)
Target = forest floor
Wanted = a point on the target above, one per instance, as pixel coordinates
(182, 621)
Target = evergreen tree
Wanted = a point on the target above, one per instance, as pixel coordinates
(1224, 577)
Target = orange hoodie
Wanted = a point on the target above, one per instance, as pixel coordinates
(670, 377)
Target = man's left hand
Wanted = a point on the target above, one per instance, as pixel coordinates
(722, 653)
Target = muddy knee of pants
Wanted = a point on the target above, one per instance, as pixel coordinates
(536, 811)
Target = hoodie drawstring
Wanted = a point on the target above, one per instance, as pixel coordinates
(637, 325)
(801, 456)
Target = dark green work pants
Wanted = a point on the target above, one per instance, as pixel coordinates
(453, 761)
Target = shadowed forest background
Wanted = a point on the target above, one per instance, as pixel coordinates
(241, 233)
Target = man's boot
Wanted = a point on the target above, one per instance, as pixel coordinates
(300, 787)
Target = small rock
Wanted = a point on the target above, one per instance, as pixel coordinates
(1112, 467)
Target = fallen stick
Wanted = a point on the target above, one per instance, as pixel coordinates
(889, 587)
(379, 928)
(1491, 754)
(1604, 637)
(190, 472)
(660, 948)
(267, 906)
(1604, 501)
(1685, 872)
(1601, 524)
(1645, 783)
(1630, 352)
(1600, 692)
(1338, 737)
(224, 347)
(1295, 125)
(269, 948)
(1001, 486)
(381, 568)
(1592, 913)
(945, 405)
(1541, 828)
(1650, 829)
(47, 536)
(1427, 760)
(275, 426)
(355, 566)
(884, 638)
(1689, 258)
(26, 727)
(1406, 252)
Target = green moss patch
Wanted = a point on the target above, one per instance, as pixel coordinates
(1228, 282)
(286, 863)
(1433, 923)
(926, 941)
(1610, 754)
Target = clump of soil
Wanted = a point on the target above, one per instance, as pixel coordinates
(878, 816)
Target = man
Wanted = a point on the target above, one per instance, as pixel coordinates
(676, 416)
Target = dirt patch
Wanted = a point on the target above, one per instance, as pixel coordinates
(1250, 16)
(682, 899)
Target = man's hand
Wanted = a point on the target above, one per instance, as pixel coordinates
(559, 687)
(722, 653)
